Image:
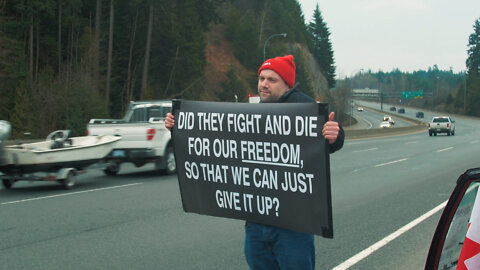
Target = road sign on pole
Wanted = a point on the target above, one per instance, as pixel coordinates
(412, 94)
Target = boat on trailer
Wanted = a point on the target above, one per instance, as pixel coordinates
(58, 158)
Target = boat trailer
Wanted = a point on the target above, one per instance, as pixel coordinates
(65, 176)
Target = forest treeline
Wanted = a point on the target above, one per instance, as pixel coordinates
(444, 91)
(66, 61)
(63, 62)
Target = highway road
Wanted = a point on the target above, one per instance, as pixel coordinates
(136, 221)
(410, 112)
(371, 117)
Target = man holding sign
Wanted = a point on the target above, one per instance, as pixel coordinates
(266, 246)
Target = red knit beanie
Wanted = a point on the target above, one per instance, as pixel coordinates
(283, 66)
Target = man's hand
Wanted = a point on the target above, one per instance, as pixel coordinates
(330, 129)
(169, 121)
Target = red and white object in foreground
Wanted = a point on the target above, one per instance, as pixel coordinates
(470, 254)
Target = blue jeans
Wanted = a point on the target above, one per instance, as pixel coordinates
(269, 247)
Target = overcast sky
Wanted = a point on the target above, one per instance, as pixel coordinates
(405, 34)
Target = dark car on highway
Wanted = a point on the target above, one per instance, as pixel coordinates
(393, 108)
(401, 110)
(419, 115)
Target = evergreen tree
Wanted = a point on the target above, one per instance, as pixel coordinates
(473, 67)
(305, 85)
(322, 47)
(22, 120)
(286, 16)
(233, 89)
(473, 60)
(242, 31)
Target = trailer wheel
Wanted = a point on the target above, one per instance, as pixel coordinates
(112, 168)
(7, 183)
(69, 181)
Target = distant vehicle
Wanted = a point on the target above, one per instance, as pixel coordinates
(393, 109)
(419, 115)
(145, 139)
(401, 110)
(389, 119)
(360, 109)
(441, 124)
(385, 124)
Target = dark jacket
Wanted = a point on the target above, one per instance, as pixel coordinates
(295, 96)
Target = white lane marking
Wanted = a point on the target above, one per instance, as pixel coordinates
(67, 194)
(391, 162)
(370, 125)
(444, 149)
(412, 142)
(366, 252)
(365, 150)
(472, 142)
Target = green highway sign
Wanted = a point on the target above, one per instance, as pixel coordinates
(412, 94)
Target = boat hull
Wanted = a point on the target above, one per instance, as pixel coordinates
(39, 156)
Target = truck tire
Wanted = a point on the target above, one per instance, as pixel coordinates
(7, 183)
(170, 165)
(112, 168)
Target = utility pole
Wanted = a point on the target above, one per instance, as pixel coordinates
(381, 101)
(433, 96)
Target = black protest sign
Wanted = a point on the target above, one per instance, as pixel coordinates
(266, 163)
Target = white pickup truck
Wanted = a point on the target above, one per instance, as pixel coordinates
(144, 136)
(441, 124)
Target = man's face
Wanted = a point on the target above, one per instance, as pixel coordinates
(271, 86)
